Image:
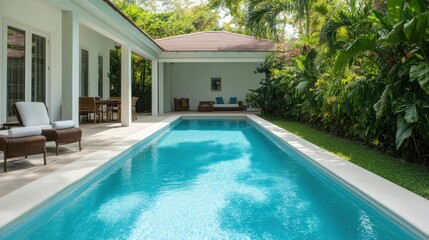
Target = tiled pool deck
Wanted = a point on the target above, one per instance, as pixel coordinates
(28, 182)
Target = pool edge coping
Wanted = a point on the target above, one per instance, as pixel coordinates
(372, 187)
(382, 193)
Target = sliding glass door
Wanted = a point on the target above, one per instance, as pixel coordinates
(26, 68)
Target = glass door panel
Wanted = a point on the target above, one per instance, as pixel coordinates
(15, 69)
(100, 76)
(38, 68)
(84, 72)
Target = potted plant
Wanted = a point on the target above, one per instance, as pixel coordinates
(251, 100)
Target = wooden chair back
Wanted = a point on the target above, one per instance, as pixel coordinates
(87, 104)
(134, 102)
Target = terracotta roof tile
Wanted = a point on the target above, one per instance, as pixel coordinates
(215, 41)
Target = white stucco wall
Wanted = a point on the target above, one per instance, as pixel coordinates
(96, 45)
(193, 81)
(41, 18)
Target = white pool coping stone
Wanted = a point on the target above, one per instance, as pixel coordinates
(406, 207)
(409, 209)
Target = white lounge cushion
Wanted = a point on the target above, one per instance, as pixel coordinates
(225, 105)
(24, 131)
(33, 113)
(63, 124)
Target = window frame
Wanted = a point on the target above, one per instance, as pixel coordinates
(81, 93)
(29, 32)
(100, 76)
(216, 81)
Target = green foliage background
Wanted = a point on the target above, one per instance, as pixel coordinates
(363, 74)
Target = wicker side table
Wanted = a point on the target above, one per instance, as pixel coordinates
(205, 106)
(22, 146)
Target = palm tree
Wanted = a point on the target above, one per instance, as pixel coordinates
(267, 18)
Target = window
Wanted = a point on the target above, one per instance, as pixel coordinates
(100, 76)
(15, 68)
(216, 84)
(26, 66)
(84, 72)
(38, 68)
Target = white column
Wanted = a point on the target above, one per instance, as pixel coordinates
(3, 82)
(70, 66)
(154, 88)
(125, 85)
(161, 88)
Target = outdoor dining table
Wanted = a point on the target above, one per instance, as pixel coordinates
(107, 105)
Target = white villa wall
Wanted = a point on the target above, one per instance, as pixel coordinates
(96, 45)
(44, 19)
(193, 81)
(40, 17)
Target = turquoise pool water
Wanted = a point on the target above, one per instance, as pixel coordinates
(207, 179)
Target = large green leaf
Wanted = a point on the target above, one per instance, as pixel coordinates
(395, 36)
(302, 86)
(395, 9)
(300, 64)
(341, 62)
(359, 46)
(418, 6)
(420, 72)
(382, 103)
(403, 131)
(417, 28)
(411, 115)
(383, 19)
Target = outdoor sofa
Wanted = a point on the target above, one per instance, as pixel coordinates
(232, 105)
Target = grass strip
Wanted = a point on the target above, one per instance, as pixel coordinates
(410, 176)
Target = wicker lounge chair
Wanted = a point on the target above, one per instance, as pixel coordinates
(21, 146)
(36, 114)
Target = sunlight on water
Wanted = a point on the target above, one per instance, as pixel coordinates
(115, 209)
(171, 215)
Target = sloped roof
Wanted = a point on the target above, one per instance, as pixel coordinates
(215, 42)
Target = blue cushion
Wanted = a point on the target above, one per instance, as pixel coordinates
(219, 100)
(233, 100)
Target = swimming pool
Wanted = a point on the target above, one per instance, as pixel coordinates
(209, 179)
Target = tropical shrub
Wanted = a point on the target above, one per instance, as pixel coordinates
(367, 78)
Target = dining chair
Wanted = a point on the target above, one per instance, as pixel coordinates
(87, 106)
(116, 108)
(133, 107)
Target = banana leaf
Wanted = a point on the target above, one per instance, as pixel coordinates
(420, 72)
(403, 131)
